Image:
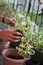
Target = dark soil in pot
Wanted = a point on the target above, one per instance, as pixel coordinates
(15, 57)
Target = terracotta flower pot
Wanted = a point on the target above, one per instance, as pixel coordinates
(7, 60)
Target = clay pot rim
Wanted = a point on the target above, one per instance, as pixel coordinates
(13, 60)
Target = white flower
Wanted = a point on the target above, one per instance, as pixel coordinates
(23, 23)
(21, 16)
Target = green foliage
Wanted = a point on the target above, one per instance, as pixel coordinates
(39, 40)
(25, 50)
(6, 9)
(34, 17)
(2, 1)
(31, 32)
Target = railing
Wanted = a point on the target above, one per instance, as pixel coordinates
(23, 4)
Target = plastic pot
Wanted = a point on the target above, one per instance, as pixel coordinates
(38, 56)
(14, 44)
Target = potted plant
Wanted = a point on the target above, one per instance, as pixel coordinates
(19, 54)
